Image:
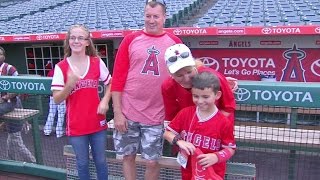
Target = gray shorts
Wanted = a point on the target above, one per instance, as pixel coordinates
(140, 138)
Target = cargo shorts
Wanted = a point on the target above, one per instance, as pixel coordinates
(140, 138)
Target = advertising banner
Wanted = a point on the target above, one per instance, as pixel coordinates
(282, 64)
(289, 94)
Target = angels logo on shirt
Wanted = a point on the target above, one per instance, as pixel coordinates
(151, 64)
(85, 83)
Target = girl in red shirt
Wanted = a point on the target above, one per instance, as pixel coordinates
(76, 79)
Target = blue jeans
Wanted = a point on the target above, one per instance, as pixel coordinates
(80, 145)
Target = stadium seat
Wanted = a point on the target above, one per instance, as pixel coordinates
(206, 19)
(201, 25)
(37, 16)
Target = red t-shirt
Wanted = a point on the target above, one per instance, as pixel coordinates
(83, 101)
(176, 97)
(210, 135)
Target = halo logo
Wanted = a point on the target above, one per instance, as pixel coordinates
(5, 85)
(210, 62)
(315, 67)
(242, 94)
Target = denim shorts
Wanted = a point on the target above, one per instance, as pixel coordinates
(140, 138)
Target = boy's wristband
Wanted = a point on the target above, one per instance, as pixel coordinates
(223, 155)
(175, 139)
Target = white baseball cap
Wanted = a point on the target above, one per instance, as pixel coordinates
(177, 57)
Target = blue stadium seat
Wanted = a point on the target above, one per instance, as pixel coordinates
(36, 16)
(264, 12)
(206, 19)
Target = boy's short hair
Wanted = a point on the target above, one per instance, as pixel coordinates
(206, 80)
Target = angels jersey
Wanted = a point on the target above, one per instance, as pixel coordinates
(82, 103)
(209, 135)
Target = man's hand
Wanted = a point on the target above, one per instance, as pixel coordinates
(120, 122)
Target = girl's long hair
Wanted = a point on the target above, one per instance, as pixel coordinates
(90, 50)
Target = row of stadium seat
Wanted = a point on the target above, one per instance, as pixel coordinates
(5, 3)
(261, 13)
(41, 16)
(23, 8)
(96, 14)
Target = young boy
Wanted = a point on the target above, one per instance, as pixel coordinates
(203, 126)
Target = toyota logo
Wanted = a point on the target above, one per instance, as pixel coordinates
(242, 94)
(266, 30)
(317, 30)
(210, 62)
(177, 32)
(4, 85)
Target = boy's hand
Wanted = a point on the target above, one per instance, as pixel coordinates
(207, 160)
(187, 146)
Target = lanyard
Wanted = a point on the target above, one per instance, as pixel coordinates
(194, 115)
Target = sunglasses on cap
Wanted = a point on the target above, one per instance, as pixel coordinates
(158, 1)
(175, 58)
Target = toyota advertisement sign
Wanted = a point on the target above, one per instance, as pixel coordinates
(292, 64)
(249, 92)
(25, 84)
(278, 94)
